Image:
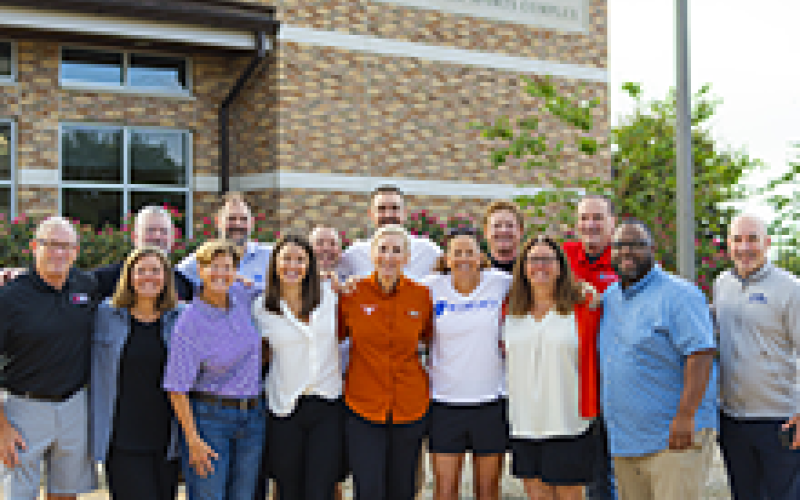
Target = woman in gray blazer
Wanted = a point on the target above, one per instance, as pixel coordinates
(132, 424)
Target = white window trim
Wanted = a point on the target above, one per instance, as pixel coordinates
(10, 80)
(124, 88)
(12, 182)
(125, 187)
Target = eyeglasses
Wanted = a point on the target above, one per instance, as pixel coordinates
(631, 245)
(57, 245)
(461, 231)
(541, 259)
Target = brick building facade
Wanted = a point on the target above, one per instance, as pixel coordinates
(348, 95)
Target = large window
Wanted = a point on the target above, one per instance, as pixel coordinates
(108, 171)
(6, 168)
(6, 61)
(124, 70)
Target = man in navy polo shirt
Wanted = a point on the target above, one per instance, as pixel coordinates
(46, 324)
(590, 259)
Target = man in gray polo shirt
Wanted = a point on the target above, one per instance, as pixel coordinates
(758, 313)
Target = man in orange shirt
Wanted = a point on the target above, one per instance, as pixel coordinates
(386, 387)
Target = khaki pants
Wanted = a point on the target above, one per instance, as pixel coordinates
(667, 475)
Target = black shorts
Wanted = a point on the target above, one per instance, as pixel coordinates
(481, 428)
(563, 461)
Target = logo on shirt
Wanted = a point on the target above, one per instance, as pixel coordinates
(442, 306)
(758, 298)
(79, 298)
(607, 277)
(413, 313)
(258, 278)
(368, 309)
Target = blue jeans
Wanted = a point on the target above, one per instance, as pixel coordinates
(237, 436)
(604, 486)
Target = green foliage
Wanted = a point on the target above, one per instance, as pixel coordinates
(643, 160)
(109, 245)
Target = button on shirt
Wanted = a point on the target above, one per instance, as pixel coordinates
(759, 338)
(305, 357)
(385, 375)
(216, 351)
(45, 334)
(646, 334)
(423, 255)
(252, 266)
(597, 271)
(466, 365)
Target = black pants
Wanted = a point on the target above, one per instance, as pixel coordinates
(384, 458)
(305, 449)
(604, 485)
(758, 465)
(136, 475)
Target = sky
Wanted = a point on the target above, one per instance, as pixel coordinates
(746, 49)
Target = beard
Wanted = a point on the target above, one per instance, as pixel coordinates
(385, 221)
(237, 236)
(641, 268)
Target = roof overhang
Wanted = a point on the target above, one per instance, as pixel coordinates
(224, 25)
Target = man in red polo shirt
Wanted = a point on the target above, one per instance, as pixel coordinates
(590, 259)
(590, 255)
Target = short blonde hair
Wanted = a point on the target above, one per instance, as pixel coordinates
(125, 296)
(212, 249)
(391, 230)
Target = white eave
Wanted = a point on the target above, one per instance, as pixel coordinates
(49, 20)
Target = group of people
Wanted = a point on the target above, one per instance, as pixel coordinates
(600, 372)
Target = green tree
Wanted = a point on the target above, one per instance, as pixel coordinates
(643, 183)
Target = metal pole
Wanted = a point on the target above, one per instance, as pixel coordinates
(683, 139)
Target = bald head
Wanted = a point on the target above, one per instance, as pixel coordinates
(327, 247)
(55, 248)
(748, 243)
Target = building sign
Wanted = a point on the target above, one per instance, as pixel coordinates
(566, 15)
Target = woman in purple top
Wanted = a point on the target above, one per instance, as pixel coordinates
(213, 374)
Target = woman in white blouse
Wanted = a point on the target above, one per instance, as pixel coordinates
(550, 335)
(297, 316)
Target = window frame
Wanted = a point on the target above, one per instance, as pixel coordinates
(11, 183)
(11, 79)
(125, 87)
(126, 187)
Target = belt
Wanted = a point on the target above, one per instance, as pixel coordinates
(43, 397)
(241, 403)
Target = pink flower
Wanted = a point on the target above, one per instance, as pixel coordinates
(206, 220)
(26, 251)
(413, 216)
(2, 216)
(414, 232)
(277, 234)
(15, 220)
(125, 228)
(206, 233)
(443, 225)
(423, 212)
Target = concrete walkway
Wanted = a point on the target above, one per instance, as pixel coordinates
(716, 486)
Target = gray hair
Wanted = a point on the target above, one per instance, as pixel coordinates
(319, 229)
(50, 223)
(148, 211)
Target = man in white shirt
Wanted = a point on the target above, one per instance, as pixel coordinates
(387, 206)
(758, 313)
(234, 221)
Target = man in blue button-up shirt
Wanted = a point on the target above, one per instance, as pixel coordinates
(234, 222)
(659, 389)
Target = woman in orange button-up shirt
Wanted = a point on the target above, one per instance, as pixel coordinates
(386, 387)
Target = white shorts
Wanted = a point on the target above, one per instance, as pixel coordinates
(56, 433)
